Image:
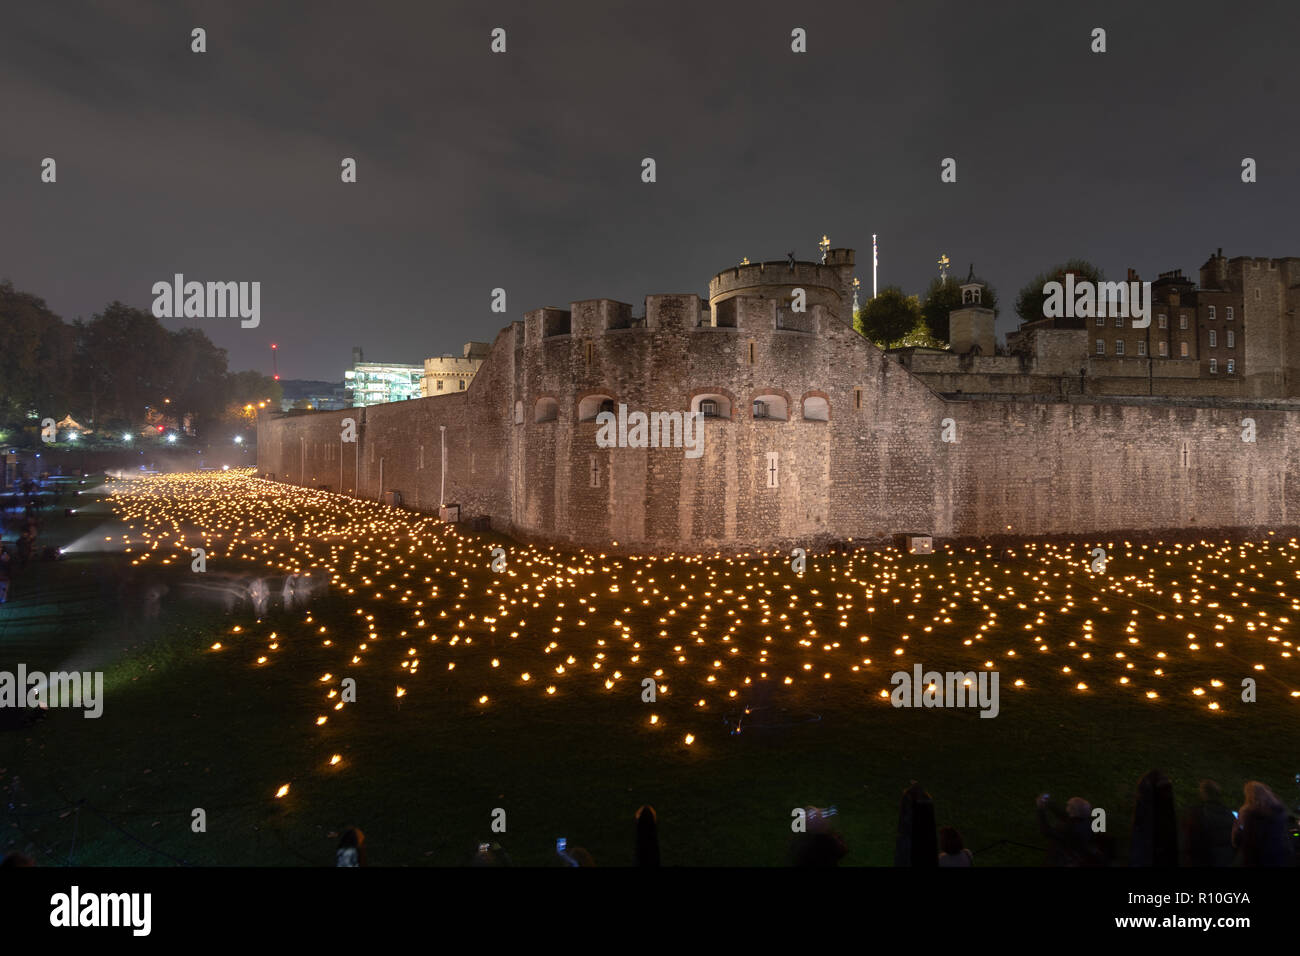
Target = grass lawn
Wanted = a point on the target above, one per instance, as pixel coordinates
(188, 726)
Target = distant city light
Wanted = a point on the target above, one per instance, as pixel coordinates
(171, 437)
(126, 437)
(72, 436)
(239, 439)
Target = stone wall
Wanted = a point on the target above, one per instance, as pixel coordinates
(871, 466)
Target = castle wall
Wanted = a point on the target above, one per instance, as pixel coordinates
(875, 466)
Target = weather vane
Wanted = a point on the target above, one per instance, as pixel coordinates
(943, 267)
(825, 245)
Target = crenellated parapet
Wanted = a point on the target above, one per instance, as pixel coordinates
(829, 284)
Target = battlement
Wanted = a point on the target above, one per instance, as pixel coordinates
(779, 273)
(829, 285)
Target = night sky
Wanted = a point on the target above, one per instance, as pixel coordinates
(522, 170)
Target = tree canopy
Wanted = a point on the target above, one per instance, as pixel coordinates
(107, 371)
(1029, 303)
(889, 317)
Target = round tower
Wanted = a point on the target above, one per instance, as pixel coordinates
(828, 284)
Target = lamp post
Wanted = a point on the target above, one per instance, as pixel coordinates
(442, 491)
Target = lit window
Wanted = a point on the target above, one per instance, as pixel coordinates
(1211, 312)
(1182, 349)
(1164, 349)
(1182, 320)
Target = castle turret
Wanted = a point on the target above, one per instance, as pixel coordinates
(971, 326)
(828, 283)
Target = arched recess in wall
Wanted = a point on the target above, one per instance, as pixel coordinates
(589, 406)
(546, 410)
(816, 407)
(770, 406)
(712, 405)
(519, 413)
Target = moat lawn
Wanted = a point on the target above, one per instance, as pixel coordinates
(424, 760)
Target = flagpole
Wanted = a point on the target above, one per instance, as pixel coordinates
(875, 261)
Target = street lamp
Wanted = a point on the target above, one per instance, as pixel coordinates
(239, 439)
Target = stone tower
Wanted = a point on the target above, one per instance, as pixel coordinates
(971, 326)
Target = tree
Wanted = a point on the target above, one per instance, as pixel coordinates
(125, 359)
(198, 382)
(944, 295)
(36, 349)
(249, 388)
(1029, 303)
(921, 338)
(888, 317)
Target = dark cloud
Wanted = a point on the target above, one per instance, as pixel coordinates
(522, 170)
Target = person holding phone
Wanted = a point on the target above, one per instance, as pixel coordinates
(1260, 831)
